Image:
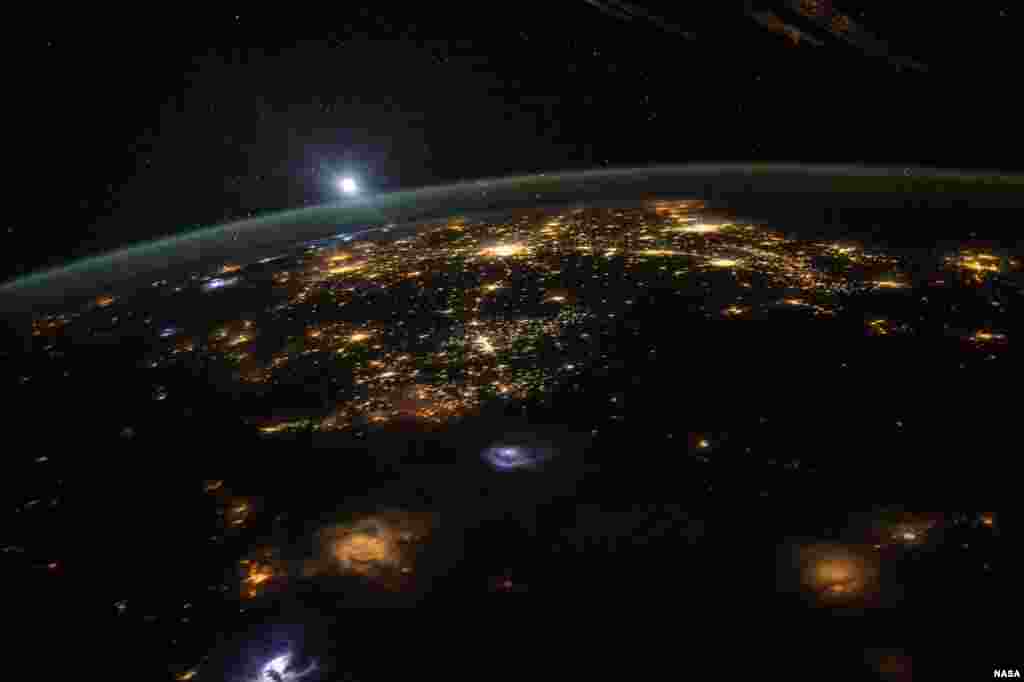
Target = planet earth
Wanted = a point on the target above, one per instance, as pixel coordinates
(647, 387)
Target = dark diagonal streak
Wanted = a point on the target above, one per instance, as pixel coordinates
(628, 12)
(604, 9)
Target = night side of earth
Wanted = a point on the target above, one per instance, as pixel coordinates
(625, 387)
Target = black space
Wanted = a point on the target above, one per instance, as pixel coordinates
(127, 127)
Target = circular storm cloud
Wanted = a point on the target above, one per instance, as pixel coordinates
(278, 669)
(517, 452)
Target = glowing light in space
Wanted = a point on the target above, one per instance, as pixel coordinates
(723, 262)
(347, 185)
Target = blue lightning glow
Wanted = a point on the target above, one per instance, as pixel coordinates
(278, 669)
(518, 452)
(219, 283)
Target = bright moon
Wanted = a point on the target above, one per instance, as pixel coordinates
(347, 185)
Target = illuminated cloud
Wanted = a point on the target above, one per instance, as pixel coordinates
(381, 547)
(518, 451)
(280, 669)
(219, 283)
(836, 572)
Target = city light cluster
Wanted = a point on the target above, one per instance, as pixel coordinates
(433, 323)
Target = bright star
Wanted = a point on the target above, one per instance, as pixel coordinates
(347, 185)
